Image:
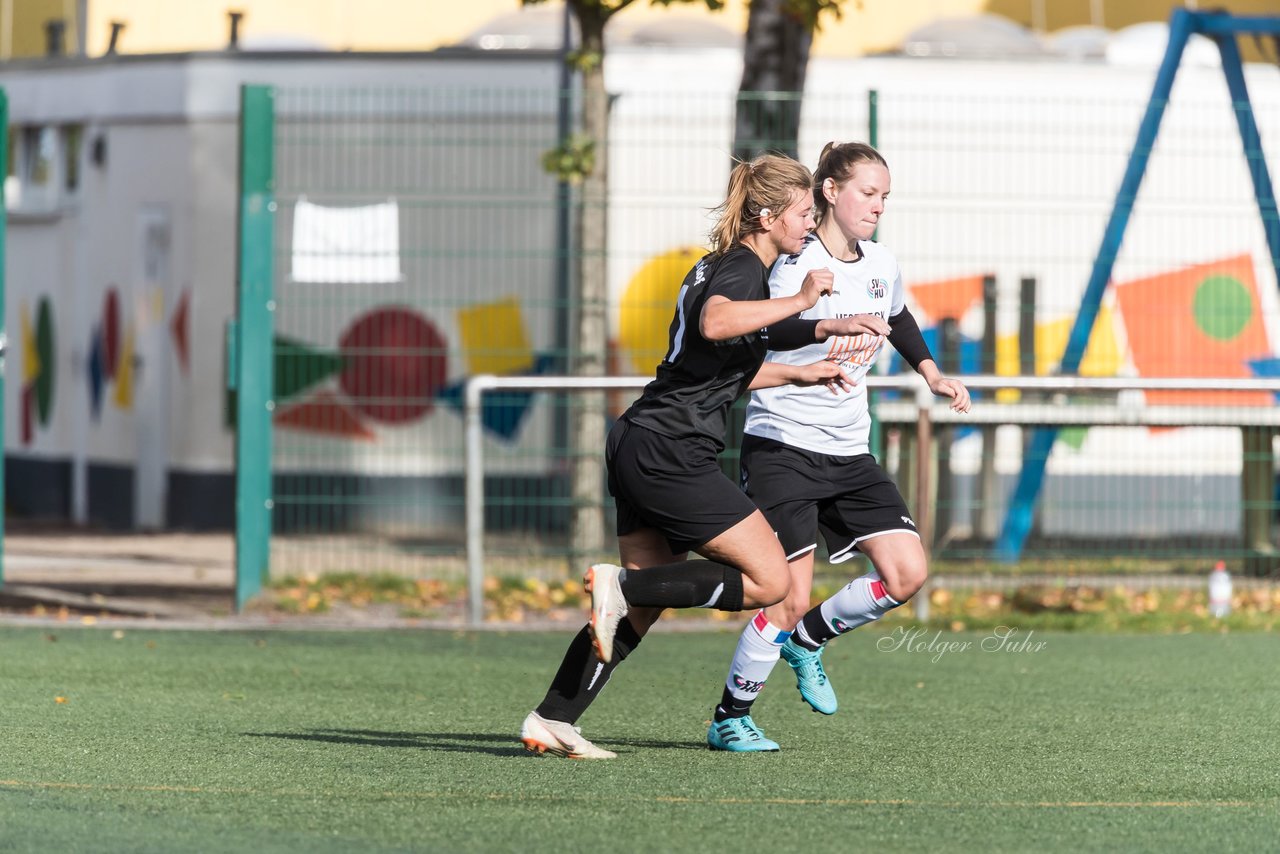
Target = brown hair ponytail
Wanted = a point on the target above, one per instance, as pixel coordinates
(837, 162)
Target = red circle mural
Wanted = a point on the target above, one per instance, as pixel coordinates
(394, 364)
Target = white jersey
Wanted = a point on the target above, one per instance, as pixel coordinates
(811, 417)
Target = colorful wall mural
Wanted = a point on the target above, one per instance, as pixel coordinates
(39, 367)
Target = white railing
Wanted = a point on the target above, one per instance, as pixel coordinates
(924, 411)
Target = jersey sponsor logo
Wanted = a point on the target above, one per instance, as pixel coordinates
(746, 685)
(877, 288)
(854, 350)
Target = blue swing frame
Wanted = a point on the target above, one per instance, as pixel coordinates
(1223, 28)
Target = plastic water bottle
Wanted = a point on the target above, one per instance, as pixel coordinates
(1219, 591)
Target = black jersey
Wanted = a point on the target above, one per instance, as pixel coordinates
(699, 380)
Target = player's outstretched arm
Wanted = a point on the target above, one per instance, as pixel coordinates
(857, 324)
(773, 374)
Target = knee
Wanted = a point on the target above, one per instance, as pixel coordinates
(772, 589)
(904, 580)
(789, 612)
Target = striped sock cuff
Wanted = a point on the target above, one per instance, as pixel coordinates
(881, 595)
(768, 630)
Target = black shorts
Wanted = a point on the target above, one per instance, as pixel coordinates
(672, 485)
(800, 492)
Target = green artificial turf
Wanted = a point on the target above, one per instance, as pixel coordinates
(406, 741)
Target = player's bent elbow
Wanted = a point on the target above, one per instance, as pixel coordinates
(713, 330)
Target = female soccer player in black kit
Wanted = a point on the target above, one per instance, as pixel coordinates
(661, 455)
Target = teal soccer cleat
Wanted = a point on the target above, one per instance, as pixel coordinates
(811, 679)
(739, 735)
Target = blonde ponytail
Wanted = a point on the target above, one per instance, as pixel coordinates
(766, 183)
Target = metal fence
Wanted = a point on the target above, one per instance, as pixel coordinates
(418, 242)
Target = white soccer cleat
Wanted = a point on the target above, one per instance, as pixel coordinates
(557, 738)
(608, 606)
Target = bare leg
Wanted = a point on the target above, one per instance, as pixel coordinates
(752, 547)
(788, 612)
(899, 561)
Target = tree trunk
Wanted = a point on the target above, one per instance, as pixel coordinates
(586, 532)
(775, 57)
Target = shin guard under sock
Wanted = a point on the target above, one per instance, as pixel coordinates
(858, 603)
(759, 648)
(686, 584)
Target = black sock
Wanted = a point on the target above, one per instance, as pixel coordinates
(687, 584)
(816, 628)
(582, 676)
(731, 707)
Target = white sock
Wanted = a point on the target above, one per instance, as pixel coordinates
(859, 602)
(758, 650)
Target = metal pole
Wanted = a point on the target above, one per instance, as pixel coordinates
(563, 230)
(924, 462)
(256, 304)
(873, 130)
(875, 440)
(984, 520)
(474, 498)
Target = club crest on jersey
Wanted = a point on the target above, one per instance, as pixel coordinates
(877, 288)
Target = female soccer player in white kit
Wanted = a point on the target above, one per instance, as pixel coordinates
(805, 457)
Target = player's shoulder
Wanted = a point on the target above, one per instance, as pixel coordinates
(877, 253)
(740, 259)
(737, 271)
(703, 270)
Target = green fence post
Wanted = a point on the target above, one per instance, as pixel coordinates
(253, 351)
(875, 440)
(4, 158)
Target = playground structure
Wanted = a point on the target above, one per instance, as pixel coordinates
(1224, 29)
